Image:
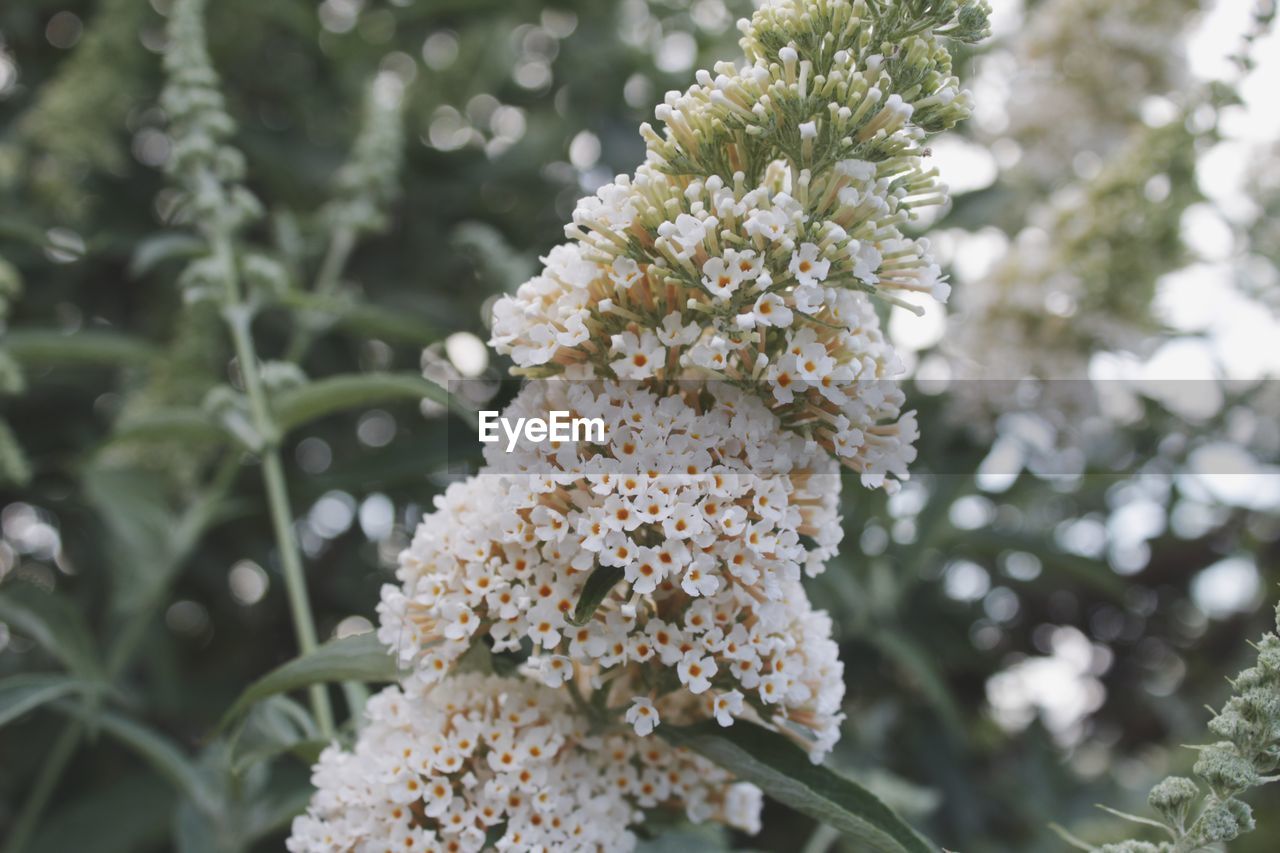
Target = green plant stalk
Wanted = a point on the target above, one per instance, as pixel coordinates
(342, 243)
(238, 316)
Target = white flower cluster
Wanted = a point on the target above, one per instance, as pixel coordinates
(715, 313)
(702, 520)
(750, 244)
(483, 762)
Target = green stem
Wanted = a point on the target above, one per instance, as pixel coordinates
(341, 244)
(238, 316)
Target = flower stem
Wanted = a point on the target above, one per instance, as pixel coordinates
(342, 241)
(238, 315)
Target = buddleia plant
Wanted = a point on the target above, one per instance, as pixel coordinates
(1202, 813)
(719, 309)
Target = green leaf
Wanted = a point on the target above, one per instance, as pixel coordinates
(367, 321)
(52, 622)
(594, 591)
(1133, 818)
(916, 661)
(26, 692)
(784, 772)
(143, 543)
(704, 838)
(1075, 842)
(188, 425)
(314, 400)
(155, 250)
(1092, 573)
(273, 727)
(157, 750)
(358, 658)
(86, 348)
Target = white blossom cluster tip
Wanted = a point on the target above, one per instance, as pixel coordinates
(749, 246)
(484, 762)
(703, 520)
(1064, 104)
(1072, 285)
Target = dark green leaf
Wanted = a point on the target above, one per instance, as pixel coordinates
(186, 425)
(366, 320)
(274, 726)
(704, 838)
(52, 622)
(157, 750)
(313, 400)
(594, 591)
(143, 545)
(358, 658)
(1093, 573)
(22, 693)
(784, 772)
(157, 249)
(917, 663)
(88, 348)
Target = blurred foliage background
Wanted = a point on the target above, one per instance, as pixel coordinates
(1032, 626)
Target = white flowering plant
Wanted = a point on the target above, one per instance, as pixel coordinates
(261, 588)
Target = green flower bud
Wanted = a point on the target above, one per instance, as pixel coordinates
(1218, 823)
(1173, 798)
(1225, 769)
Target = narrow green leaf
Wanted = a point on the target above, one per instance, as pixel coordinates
(1133, 818)
(26, 692)
(156, 749)
(358, 658)
(86, 348)
(314, 400)
(1075, 842)
(53, 623)
(187, 425)
(273, 727)
(143, 544)
(701, 838)
(1093, 573)
(594, 591)
(159, 248)
(784, 772)
(365, 320)
(915, 661)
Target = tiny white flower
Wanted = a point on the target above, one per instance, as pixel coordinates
(808, 265)
(770, 310)
(642, 715)
(695, 671)
(726, 706)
